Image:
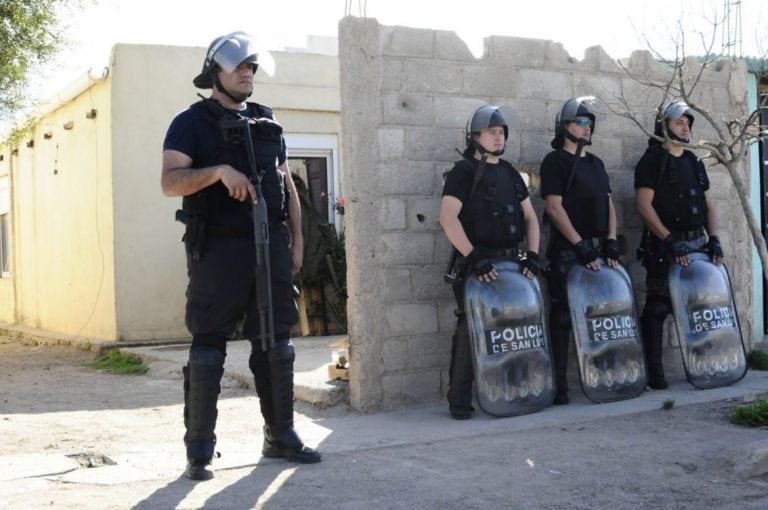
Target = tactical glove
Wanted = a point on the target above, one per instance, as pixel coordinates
(532, 263)
(585, 252)
(676, 248)
(611, 249)
(713, 247)
(478, 264)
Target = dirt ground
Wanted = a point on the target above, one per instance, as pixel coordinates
(52, 403)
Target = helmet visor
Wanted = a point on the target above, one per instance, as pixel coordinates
(236, 48)
(489, 116)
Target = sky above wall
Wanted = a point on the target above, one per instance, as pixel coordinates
(619, 27)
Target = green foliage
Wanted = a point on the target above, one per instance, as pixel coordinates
(668, 404)
(29, 37)
(758, 360)
(120, 363)
(753, 415)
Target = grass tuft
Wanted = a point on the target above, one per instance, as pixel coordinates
(668, 404)
(120, 363)
(753, 415)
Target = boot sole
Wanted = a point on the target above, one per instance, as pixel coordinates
(282, 454)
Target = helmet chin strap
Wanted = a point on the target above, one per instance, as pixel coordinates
(483, 151)
(676, 138)
(575, 140)
(237, 99)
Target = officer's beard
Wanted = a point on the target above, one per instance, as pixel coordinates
(240, 98)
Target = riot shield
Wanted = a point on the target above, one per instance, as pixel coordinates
(605, 327)
(706, 323)
(510, 342)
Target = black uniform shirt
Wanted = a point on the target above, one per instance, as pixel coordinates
(194, 134)
(679, 197)
(586, 201)
(478, 221)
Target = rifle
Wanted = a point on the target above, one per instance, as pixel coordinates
(238, 131)
(451, 275)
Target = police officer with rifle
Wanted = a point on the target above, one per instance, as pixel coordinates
(226, 157)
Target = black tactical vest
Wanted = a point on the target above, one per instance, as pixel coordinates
(493, 217)
(213, 204)
(679, 195)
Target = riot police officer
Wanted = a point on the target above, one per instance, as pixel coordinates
(577, 195)
(485, 212)
(670, 185)
(215, 177)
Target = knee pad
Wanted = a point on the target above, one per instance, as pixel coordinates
(282, 352)
(206, 355)
(258, 362)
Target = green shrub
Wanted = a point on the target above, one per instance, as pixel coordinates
(753, 415)
(758, 359)
(120, 363)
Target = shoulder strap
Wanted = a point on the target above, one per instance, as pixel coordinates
(579, 147)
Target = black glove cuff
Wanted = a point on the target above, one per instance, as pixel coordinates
(585, 253)
(532, 262)
(478, 264)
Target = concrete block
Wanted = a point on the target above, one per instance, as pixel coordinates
(395, 353)
(535, 115)
(404, 178)
(391, 75)
(607, 149)
(544, 85)
(449, 46)
(431, 144)
(392, 214)
(405, 248)
(534, 147)
(557, 57)
(455, 112)
(427, 351)
(411, 319)
(432, 76)
(423, 214)
(391, 284)
(411, 387)
(597, 60)
(607, 88)
(407, 109)
(446, 315)
(490, 81)
(391, 143)
(516, 51)
(428, 283)
(408, 42)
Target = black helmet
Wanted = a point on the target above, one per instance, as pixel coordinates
(227, 52)
(485, 117)
(574, 107)
(670, 110)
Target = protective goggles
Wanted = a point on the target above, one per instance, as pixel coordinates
(582, 121)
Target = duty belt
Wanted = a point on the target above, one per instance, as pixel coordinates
(512, 252)
(244, 231)
(688, 235)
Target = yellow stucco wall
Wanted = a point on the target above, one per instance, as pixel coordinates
(96, 251)
(62, 241)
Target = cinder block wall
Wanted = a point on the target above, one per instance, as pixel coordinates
(406, 95)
